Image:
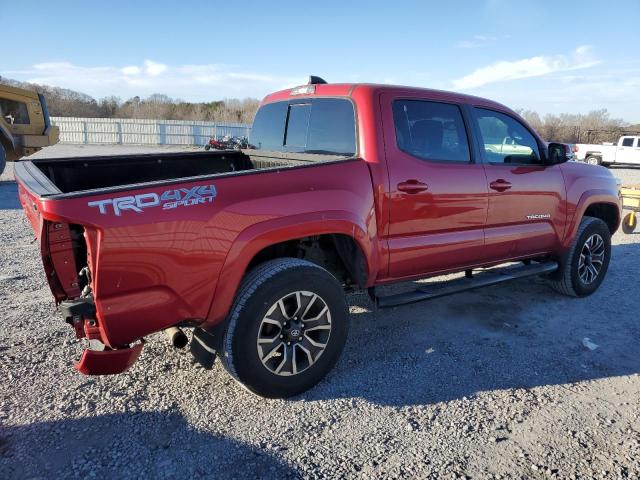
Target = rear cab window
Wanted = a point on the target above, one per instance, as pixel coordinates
(297, 130)
(267, 132)
(309, 125)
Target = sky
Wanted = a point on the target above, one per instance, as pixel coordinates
(548, 56)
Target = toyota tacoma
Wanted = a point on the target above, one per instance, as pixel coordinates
(342, 186)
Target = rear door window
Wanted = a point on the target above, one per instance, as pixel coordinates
(316, 125)
(627, 142)
(431, 130)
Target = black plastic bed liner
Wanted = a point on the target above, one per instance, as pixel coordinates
(80, 176)
(88, 173)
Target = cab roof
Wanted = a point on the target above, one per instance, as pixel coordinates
(350, 90)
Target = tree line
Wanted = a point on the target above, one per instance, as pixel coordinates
(63, 102)
(594, 127)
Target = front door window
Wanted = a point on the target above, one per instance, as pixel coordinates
(506, 140)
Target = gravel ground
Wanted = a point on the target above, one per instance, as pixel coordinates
(488, 384)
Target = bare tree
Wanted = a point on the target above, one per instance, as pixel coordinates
(594, 127)
(69, 103)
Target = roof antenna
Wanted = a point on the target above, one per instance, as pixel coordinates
(314, 80)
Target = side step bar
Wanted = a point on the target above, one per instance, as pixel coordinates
(482, 279)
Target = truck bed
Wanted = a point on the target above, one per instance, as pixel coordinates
(62, 176)
(155, 250)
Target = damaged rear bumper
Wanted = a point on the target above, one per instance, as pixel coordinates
(81, 315)
(108, 362)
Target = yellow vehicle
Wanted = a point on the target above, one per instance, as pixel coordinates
(630, 195)
(25, 127)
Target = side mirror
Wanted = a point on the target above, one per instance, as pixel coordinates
(558, 153)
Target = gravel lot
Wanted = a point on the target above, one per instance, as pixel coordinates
(492, 383)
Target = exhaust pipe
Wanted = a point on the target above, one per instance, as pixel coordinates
(177, 337)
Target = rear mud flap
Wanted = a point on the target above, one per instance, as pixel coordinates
(203, 348)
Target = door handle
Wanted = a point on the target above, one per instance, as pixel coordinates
(412, 186)
(500, 185)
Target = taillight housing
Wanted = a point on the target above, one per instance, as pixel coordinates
(64, 254)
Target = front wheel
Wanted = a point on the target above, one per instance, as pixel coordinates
(207, 147)
(286, 329)
(583, 268)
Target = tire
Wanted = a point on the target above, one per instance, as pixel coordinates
(3, 159)
(246, 349)
(629, 223)
(570, 279)
(592, 160)
(207, 147)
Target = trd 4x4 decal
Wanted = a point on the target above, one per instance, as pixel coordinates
(169, 199)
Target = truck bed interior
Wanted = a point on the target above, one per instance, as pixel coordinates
(88, 173)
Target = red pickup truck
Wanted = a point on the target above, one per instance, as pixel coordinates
(343, 186)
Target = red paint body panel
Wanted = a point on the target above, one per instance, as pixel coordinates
(586, 185)
(155, 269)
(534, 190)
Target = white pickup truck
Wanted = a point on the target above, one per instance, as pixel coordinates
(626, 151)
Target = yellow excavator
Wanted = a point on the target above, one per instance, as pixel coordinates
(25, 127)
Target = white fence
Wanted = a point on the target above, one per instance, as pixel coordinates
(143, 132)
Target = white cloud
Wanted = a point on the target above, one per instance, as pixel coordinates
(131, 70)
(574, 93)
(528, 67)
(154, 69)
(203, 82)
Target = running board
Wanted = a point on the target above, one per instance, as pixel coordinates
(481, 279)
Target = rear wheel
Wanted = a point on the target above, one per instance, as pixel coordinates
(286, 329)
(207, 147)
(629, 223)
(592, 160)
(584, 266)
